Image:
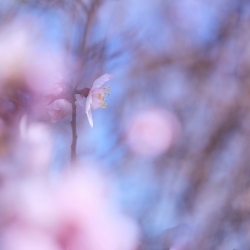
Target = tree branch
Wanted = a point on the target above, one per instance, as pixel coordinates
(74, 134)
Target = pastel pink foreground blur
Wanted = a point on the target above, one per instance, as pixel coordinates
(96, 98)
(75, 212)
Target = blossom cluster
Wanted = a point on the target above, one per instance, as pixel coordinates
(61, 106)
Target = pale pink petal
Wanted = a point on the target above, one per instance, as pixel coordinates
(52, 111)
(88, 109)
(58, 109)
(96, 100)
(89, 115)
(101, 80)
(54, 105)
(97, 92)
(55, 116)
(96, 103)
(57, 89)
(64, 105)
(88, 102)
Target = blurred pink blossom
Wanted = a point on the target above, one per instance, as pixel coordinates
(151, 132)
(38, 143)
(58, 89)
(75, 212)
(42, 71)
(28, 60)
(27, 239)
(59, 109)
(96, 96)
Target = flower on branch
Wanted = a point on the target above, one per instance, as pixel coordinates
(96, 96)
(59, 109)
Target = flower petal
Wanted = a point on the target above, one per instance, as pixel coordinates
(58, 109)
(89, 115)
(101, 80)
(88, 102)
(53, 105)
(88, 108)
(96, 103)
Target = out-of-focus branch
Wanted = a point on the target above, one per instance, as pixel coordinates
(74, 133)
(90, 18)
